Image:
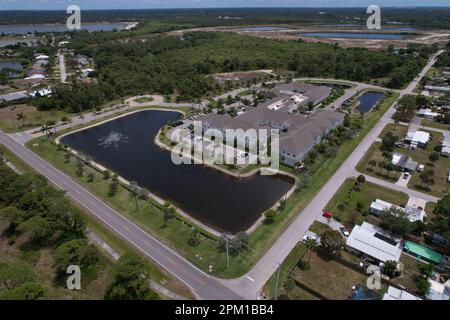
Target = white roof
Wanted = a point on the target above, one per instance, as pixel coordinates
(35, 76)
(42, 57)
(397, 294)
(418, 136)
(412, 213)
(396, 158)
(380, 205)
(363, 238)
(427, 113)
(438, 291)
(446, 141)
(42, 92)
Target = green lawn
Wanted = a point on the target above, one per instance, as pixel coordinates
(33, 118)
(328, 277)
(177, 233)
(433, 124)
(344, 203)
(287, 266)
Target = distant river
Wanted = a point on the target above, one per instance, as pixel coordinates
(214, 198)
(26, 29)
(352, 35)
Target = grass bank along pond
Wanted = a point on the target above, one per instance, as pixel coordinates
(126, 146)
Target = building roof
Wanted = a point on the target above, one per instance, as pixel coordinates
(399, 159)
(427, 113)
(397, 294)
(35, 77)
(380, 205)
(418, 136)
(374, 242)
(423, 252)
(15, 96)
(438, 291)
(411, 165)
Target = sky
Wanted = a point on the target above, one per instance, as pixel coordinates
(149, 4)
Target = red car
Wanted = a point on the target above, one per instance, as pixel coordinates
(327, 214)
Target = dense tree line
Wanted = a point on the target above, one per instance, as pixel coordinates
(169, 65)
(423, 17)
(40, 217)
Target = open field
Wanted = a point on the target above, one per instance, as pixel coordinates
(345, 202)
(328, 277)
(33, 118)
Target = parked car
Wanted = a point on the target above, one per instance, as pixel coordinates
(344, 231)
(406, 175)
(327, 214)
(420, 168)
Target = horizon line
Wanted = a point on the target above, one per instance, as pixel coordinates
(215, 8)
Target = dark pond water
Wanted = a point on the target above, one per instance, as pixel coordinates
(352, 35)
(8, 42)
(368, 100)
(218, 200)
(10, 66)
(25, 29)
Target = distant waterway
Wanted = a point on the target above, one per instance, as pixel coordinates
(45, 28)
(352, 35)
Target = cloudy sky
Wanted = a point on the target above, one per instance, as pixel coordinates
(137, 4)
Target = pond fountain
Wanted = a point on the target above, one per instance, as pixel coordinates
(112, 139)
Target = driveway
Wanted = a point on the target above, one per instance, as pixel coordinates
(402, 182)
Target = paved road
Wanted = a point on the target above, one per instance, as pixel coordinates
(409, 192)
(62, 68)
(203, 285)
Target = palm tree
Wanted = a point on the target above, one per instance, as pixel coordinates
(311, 244)
(372, 163)
(134, 191)
(21, 117)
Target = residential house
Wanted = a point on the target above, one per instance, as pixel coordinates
(397, 294)
(412, 213)
(440, 89)
(446, 145)
(427, 113)
(404, 162)
(373, 242)
(14, 96)
(438, 291)
(417, 139)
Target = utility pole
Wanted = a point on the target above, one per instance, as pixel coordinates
(277, 281)
(226, 245)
